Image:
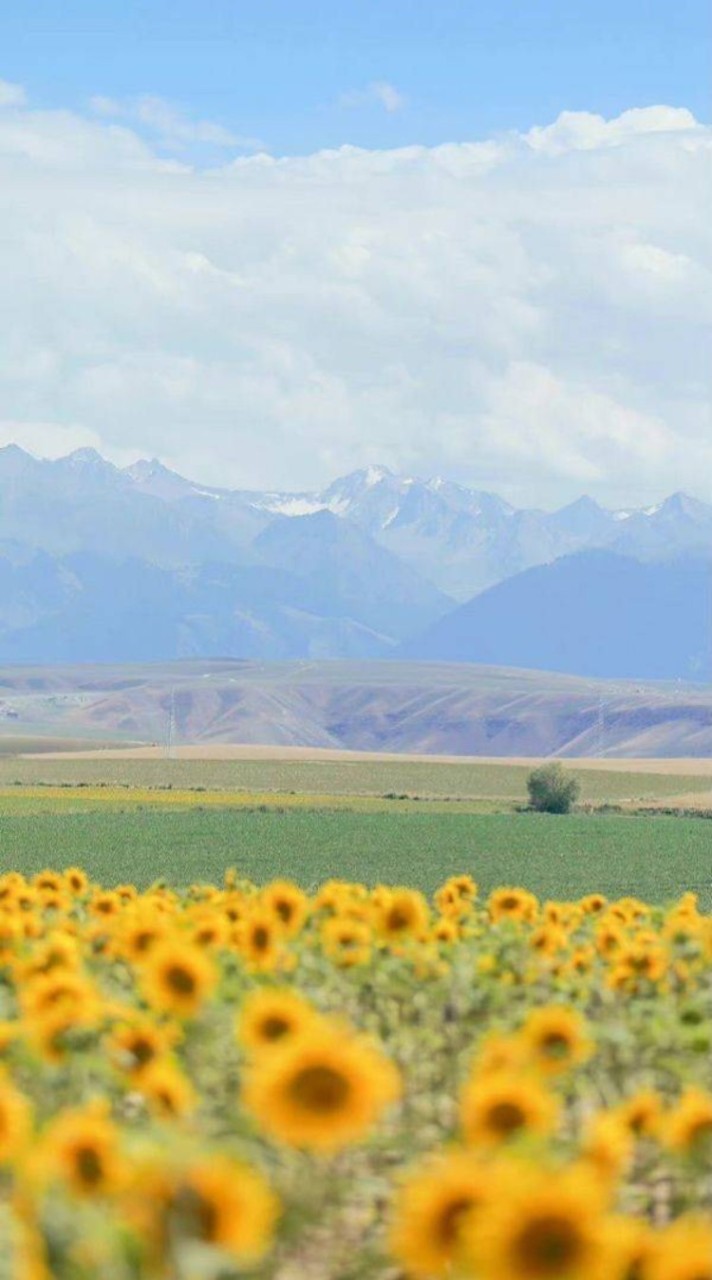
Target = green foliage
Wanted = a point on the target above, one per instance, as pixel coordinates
(552, 789)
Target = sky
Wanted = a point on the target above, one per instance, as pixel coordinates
(271, 242)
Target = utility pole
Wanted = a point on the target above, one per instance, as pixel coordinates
(601, 724)
(170, 731)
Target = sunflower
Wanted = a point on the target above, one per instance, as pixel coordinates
(642, 960)
(688, 1128)
(167, 1088)
(15, 1120)
(430, 1212)
(542, 1225)
(607, 1145)
(512, 904)
(105, 904)
(446, 930)
(609, 938)
(141, 928)
(556, 1038)
(259, 940)
(683, 1251)
(549, 939)
(642, 1113)
(581, 960)
(287, 903)
(177, 977)
(225, 1204)
(456, 897)
(346, 941)
(59, 951)
(48, 882)
(593, 904)
(76, 881)
(59, 990)
(630, 1245)
(210, 929)
(137, 1043)
(53, 1034)
(81, 1149)
(322, 1091)
(271, 1017)
(126, 892)
(500, 1106)
(402, 913)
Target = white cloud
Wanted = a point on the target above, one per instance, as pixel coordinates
(529, 313)
(168, 123)
(54, 439)
(380, 92)
(582, 130)
(12, 95)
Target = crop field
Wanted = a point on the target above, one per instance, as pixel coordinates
(351, 1019)
(652, 857)
(352, 1084)
(609, 781)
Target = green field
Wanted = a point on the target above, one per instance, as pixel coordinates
(655, 858)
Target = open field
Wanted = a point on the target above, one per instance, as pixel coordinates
(481, 781)
(656, 858)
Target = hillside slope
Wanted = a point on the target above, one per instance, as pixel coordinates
(373, 706)
(595, 614)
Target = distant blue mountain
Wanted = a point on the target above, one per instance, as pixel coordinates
(101, 562)
(595, 613)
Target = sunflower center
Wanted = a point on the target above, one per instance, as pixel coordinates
(201, 1217)
(274, 1027)
(142, 1050)
(398, 919)
(556, 1045)
(320, 1089)
(285, 911)
(505, 1118)
(260, 938)
(701, 1131)
(548, 1246)
(450, 1221)
(180, 980)
(89, 1165)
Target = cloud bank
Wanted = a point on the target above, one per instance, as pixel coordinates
(528, 313)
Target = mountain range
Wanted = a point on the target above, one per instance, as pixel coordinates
(108, 564)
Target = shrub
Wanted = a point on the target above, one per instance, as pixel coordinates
(552, 789)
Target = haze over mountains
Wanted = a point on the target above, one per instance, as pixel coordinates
(105, 564)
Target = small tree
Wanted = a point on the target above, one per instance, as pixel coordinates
(552, 789)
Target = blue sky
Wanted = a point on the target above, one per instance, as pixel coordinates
(295, 73)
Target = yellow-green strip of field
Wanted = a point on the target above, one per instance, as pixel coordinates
(68, 799)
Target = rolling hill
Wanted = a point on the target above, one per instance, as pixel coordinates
(429, 708)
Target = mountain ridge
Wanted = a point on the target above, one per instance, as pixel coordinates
(368, 563)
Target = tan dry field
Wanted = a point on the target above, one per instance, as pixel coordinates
(673, 766)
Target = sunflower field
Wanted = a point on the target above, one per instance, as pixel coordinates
(352, 1084)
